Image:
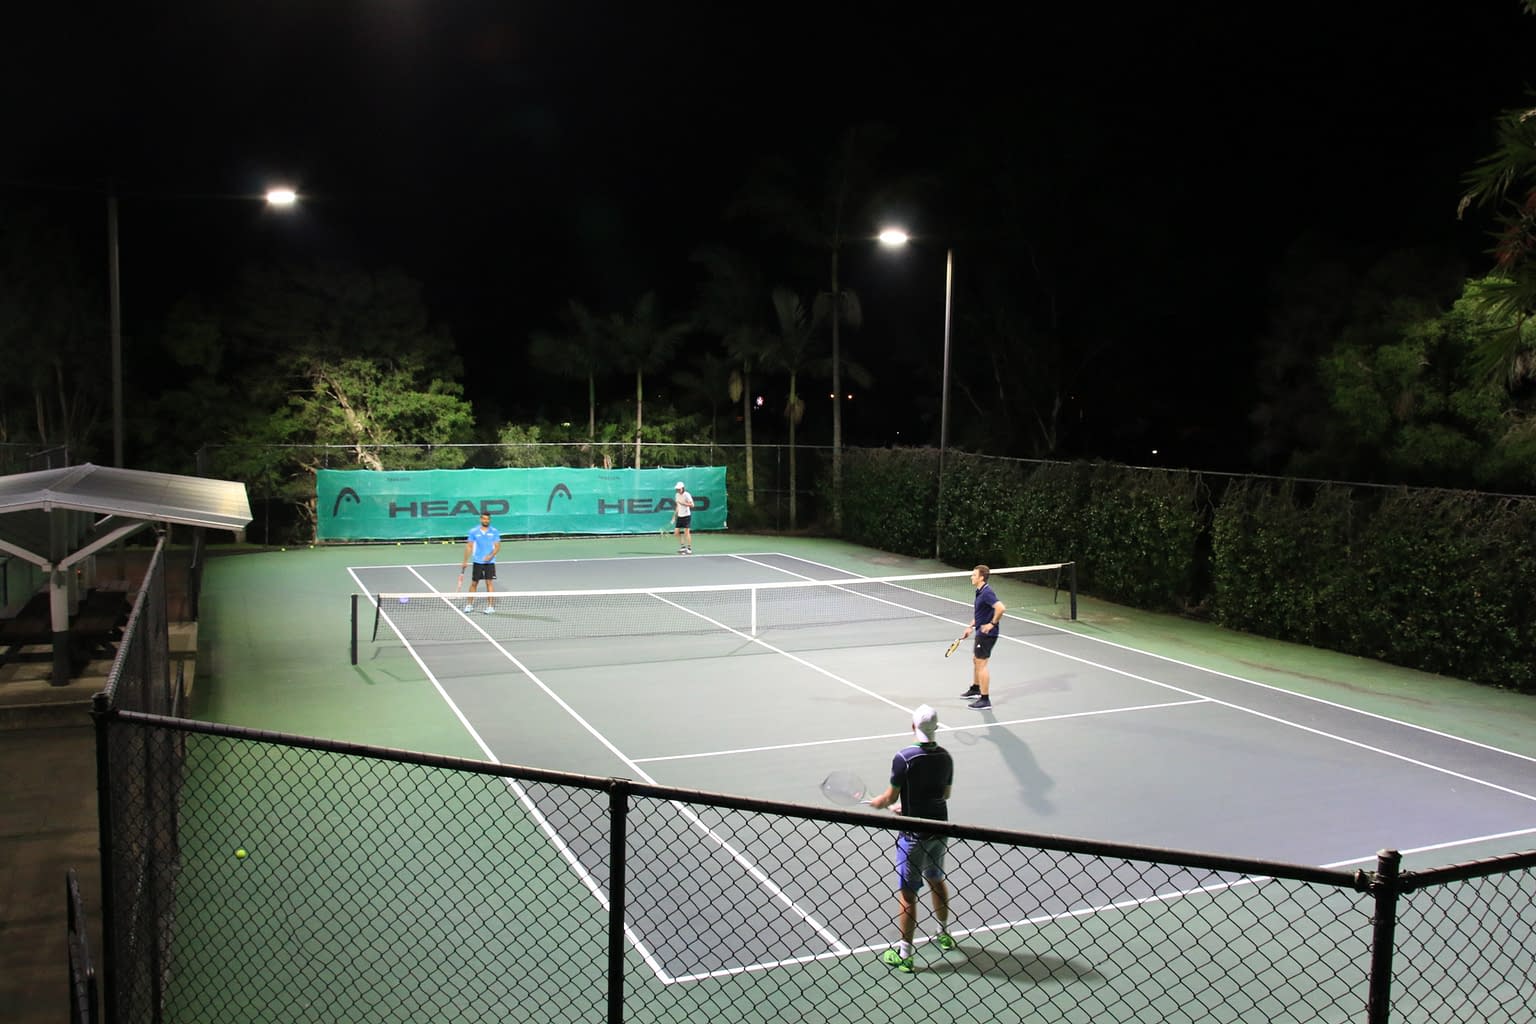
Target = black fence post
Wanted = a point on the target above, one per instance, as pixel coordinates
(1384, 889)
(618, 818)
(100, 711)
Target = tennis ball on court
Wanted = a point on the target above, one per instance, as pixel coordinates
(240, 854)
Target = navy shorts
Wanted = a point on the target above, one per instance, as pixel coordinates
(984, 644)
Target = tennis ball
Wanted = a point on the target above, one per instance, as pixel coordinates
(240, 854)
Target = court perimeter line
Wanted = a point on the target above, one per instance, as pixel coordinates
(527, 801)
(751, 868)
(1201, 668)
(959, 933)
(908, 735)
(1253, 711)
(1371, 858)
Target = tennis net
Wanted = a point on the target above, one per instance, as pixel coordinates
(744, 609)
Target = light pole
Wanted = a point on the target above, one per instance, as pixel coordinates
(280, 197)
(895, 237)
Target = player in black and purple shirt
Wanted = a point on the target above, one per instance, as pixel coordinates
(987, 615)
(921, 777)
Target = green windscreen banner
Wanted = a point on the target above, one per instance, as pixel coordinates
(365, 504)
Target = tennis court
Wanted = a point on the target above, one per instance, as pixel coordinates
(1088, 736)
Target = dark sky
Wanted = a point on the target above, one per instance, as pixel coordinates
(516, 155)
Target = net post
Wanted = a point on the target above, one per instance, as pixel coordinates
(354, 629)
(753, 592)
(1072, 587)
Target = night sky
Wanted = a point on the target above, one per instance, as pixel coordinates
(516, 155)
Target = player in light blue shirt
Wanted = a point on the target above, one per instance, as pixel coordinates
(483, 545)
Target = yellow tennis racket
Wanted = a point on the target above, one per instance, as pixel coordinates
(955, 646)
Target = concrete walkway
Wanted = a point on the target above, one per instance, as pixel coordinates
(48, 825)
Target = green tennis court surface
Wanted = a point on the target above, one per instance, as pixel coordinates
(1118, 728)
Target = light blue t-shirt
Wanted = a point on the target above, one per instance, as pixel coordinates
(485, 539)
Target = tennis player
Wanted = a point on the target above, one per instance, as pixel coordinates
(921, 777)
(682, 518)
(988, 614)
(483, 546)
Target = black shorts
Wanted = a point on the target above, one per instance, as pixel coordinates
(683, 521)
(984, 644)
(482, 571)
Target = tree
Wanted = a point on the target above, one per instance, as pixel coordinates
(789, 349)
(730, 306)
(840, 209)
(1506, 179)
(52, 339)
(315, 364)
(643, 342)
(1411, 405)
(576, 353)
(708, 382)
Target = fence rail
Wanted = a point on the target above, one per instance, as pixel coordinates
(308, 879)
(262, 877)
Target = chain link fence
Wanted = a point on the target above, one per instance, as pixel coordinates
(259, 877)
(264, 877)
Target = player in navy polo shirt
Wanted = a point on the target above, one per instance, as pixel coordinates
(921, 777)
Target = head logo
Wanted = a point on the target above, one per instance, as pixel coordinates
(345, 494)
(556, 491)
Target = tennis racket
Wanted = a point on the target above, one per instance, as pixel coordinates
(844, 788)
(955, 646)
(459, 585)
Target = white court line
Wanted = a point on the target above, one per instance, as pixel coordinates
(908, 734)
(521, 794)
(1260, 714)
(751, 868)
(841, 949)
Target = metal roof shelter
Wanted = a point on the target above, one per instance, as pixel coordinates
(56, 519)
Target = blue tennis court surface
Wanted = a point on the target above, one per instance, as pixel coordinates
(1086, 738)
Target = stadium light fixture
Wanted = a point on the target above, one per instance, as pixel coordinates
(895, 237)
(280, 197)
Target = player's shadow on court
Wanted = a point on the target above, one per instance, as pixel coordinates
(969, 957)
(1034, 783)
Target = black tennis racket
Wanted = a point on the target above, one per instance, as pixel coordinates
(955, 645)
(845, 789)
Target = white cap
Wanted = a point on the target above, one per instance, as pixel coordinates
(925, 720)
(679, 485)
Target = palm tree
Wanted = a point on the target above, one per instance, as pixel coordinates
(1507, 177)
(709, 381)
(790, 349)
(643, 342)
(730, 307)
(842, 208)
(576, 353)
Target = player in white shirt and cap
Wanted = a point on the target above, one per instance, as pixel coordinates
(682, 518)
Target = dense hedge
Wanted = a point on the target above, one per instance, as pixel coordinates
(1434, 580)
